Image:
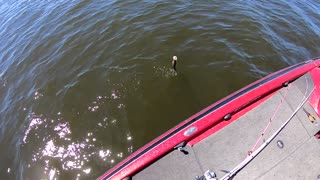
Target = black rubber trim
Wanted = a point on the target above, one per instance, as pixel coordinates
(250, 88)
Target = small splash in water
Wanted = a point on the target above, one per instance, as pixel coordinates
(165, 72)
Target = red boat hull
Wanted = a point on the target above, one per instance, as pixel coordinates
(213, 118)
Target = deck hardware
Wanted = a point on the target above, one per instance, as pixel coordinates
(181, 146)
(200, 178)
(255, 153)
(317, 136)
(310, 116)
(285, 84)
(280, 144)
(190, 131)
(208, 175)
(227, 117)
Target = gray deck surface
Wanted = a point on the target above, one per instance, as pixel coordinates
(298, 159)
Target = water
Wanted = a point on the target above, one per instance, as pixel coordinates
(86, 83)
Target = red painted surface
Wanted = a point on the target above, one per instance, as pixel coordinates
(315, 97)
(213, 119)
(234, 117)
(317, 135)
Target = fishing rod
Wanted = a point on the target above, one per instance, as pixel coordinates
(250, 157)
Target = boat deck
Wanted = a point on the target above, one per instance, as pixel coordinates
(221, 152)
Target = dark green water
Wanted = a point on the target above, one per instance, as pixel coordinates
(85, 83)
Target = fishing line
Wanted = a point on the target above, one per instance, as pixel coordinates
(271, 119)
(256, 152)
(269, 123)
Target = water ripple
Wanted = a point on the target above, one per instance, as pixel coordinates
(85, 83)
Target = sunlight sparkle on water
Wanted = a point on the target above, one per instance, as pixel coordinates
(114, 95)
(87, 171)
(37, 95)
(120, 155)
(52, 173)
(59, 146)
(62, 129)
(103, 154)
(35, 121)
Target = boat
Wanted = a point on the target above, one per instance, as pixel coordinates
(269, 129)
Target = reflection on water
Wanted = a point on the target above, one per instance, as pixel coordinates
(57, 144)
(86, 83)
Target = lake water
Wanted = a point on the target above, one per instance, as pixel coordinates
(84, 83)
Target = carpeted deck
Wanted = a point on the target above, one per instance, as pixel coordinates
(298, 159)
